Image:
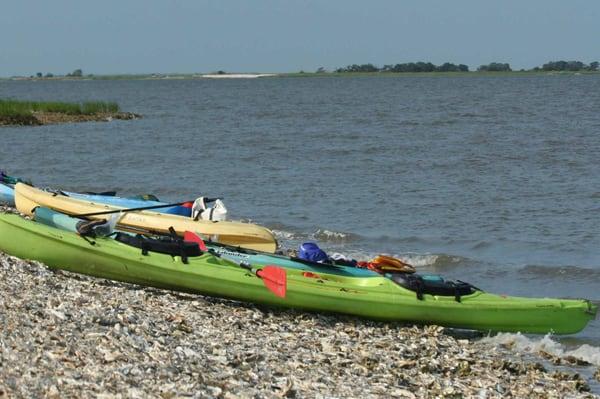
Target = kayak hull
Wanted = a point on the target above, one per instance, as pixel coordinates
(245, 235)
(370, 297)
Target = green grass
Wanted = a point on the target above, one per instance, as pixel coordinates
(14, 108)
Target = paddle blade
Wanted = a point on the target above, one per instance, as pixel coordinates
(275, 279)
(193, 237)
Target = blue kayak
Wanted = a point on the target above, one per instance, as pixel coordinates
(59, 220)
(7, 184)
(7, 194)
(129, 202)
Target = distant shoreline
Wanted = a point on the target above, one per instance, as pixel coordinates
(238, 75)
(53, 118)
(198, 76)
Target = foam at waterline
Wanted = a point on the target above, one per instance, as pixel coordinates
(521, 343)
(320, 235)
(334, 236)
(419, 260)
(432, 260)
(285, 235)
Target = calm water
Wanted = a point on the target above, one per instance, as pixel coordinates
(494, 180)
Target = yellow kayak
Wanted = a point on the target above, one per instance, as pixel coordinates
(240, 234)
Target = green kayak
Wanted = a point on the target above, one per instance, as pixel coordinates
(369, 297)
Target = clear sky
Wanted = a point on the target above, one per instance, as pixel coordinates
(147, 36)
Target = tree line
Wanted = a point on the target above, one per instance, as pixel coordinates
(572, 66)
(406, 67)
(568, 66)
(78, 73)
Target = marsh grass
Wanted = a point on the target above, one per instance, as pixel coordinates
(14, 108)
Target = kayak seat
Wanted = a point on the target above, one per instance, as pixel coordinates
(433, 286)
(165, 245)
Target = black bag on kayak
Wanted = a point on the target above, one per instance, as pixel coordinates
(167, 245)
(432, 286)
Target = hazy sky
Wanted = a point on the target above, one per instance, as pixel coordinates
(145, 36)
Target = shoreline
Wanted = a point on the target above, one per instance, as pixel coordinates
(263, 75)
(66, 334)
(53, 118)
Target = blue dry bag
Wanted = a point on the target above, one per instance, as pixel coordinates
(311, 251)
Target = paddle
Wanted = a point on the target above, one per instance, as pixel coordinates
(142, 208)
(273, 277)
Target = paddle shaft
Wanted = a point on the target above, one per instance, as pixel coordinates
(142, 208)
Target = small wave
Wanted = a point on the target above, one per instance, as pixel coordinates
(443, 122)
(469, 115)
(435, 261)
(321, 235)
(334, 236)
(482, 245)
(444, 260)
(409, 123)
(565, 272)
(401, 240)
(521, 343)
(340, 151)
(418, 260)
(285, 235)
